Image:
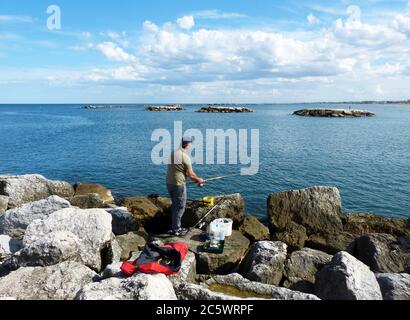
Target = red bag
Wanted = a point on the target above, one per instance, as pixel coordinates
(154, 259)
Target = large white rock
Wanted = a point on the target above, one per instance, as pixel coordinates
(265, 262)
(58, 282)
(31, 187)
(394, 286)
(15, 221)
(346, 278)
(52, 248)
(92, 228)
(138, 287)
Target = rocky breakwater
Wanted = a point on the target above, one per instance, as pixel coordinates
(51, 248)
(334, 113)
(165, 108)
(225, 109)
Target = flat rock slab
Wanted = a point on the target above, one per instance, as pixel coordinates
(210, 263)
(235, 285)
(138, 287)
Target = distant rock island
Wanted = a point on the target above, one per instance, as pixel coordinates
(334, 113)
(105, 107)
(224, 109)
(177, 107)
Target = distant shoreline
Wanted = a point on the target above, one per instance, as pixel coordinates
(135, 105)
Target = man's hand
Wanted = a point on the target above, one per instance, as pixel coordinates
(200, 182)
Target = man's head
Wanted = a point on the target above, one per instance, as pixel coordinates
(186, 142)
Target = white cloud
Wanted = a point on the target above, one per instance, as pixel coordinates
(150, 27)
(115, 53)
(186, 22)
(402, 23)
(15, 19)
(366, 35)
(312, 19)
(217, 14)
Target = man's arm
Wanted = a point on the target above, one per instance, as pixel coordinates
(191, 174)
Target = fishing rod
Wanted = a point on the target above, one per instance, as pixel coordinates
(201, 222)
(217, 178)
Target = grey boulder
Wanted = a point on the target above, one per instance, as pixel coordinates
(383, 253)
(265, 262)
(394, 286)
(301, 269)
(15, 221)
(89, 229)
(31, 187)
(122, 221)
(346, 278)
(58, 282)
(318, 209)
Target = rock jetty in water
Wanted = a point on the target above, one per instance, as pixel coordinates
(177, 107)
(104, 107)
(57, 244)
(334, 113)
(224, 109)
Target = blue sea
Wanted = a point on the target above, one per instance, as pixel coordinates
(368, 159)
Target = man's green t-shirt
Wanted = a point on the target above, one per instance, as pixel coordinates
(178, 166)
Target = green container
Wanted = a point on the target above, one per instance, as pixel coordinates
(217, 250)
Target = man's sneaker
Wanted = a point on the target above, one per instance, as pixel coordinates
(172, 232)
(179, 232)
(182, 232)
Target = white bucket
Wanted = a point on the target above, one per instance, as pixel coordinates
(221, 227)
(228, 223)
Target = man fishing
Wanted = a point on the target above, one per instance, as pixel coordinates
(180, 168)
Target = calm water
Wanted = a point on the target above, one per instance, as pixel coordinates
(368, 159)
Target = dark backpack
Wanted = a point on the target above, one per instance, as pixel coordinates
(155, 259)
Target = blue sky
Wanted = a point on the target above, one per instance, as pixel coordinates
(204, 51)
